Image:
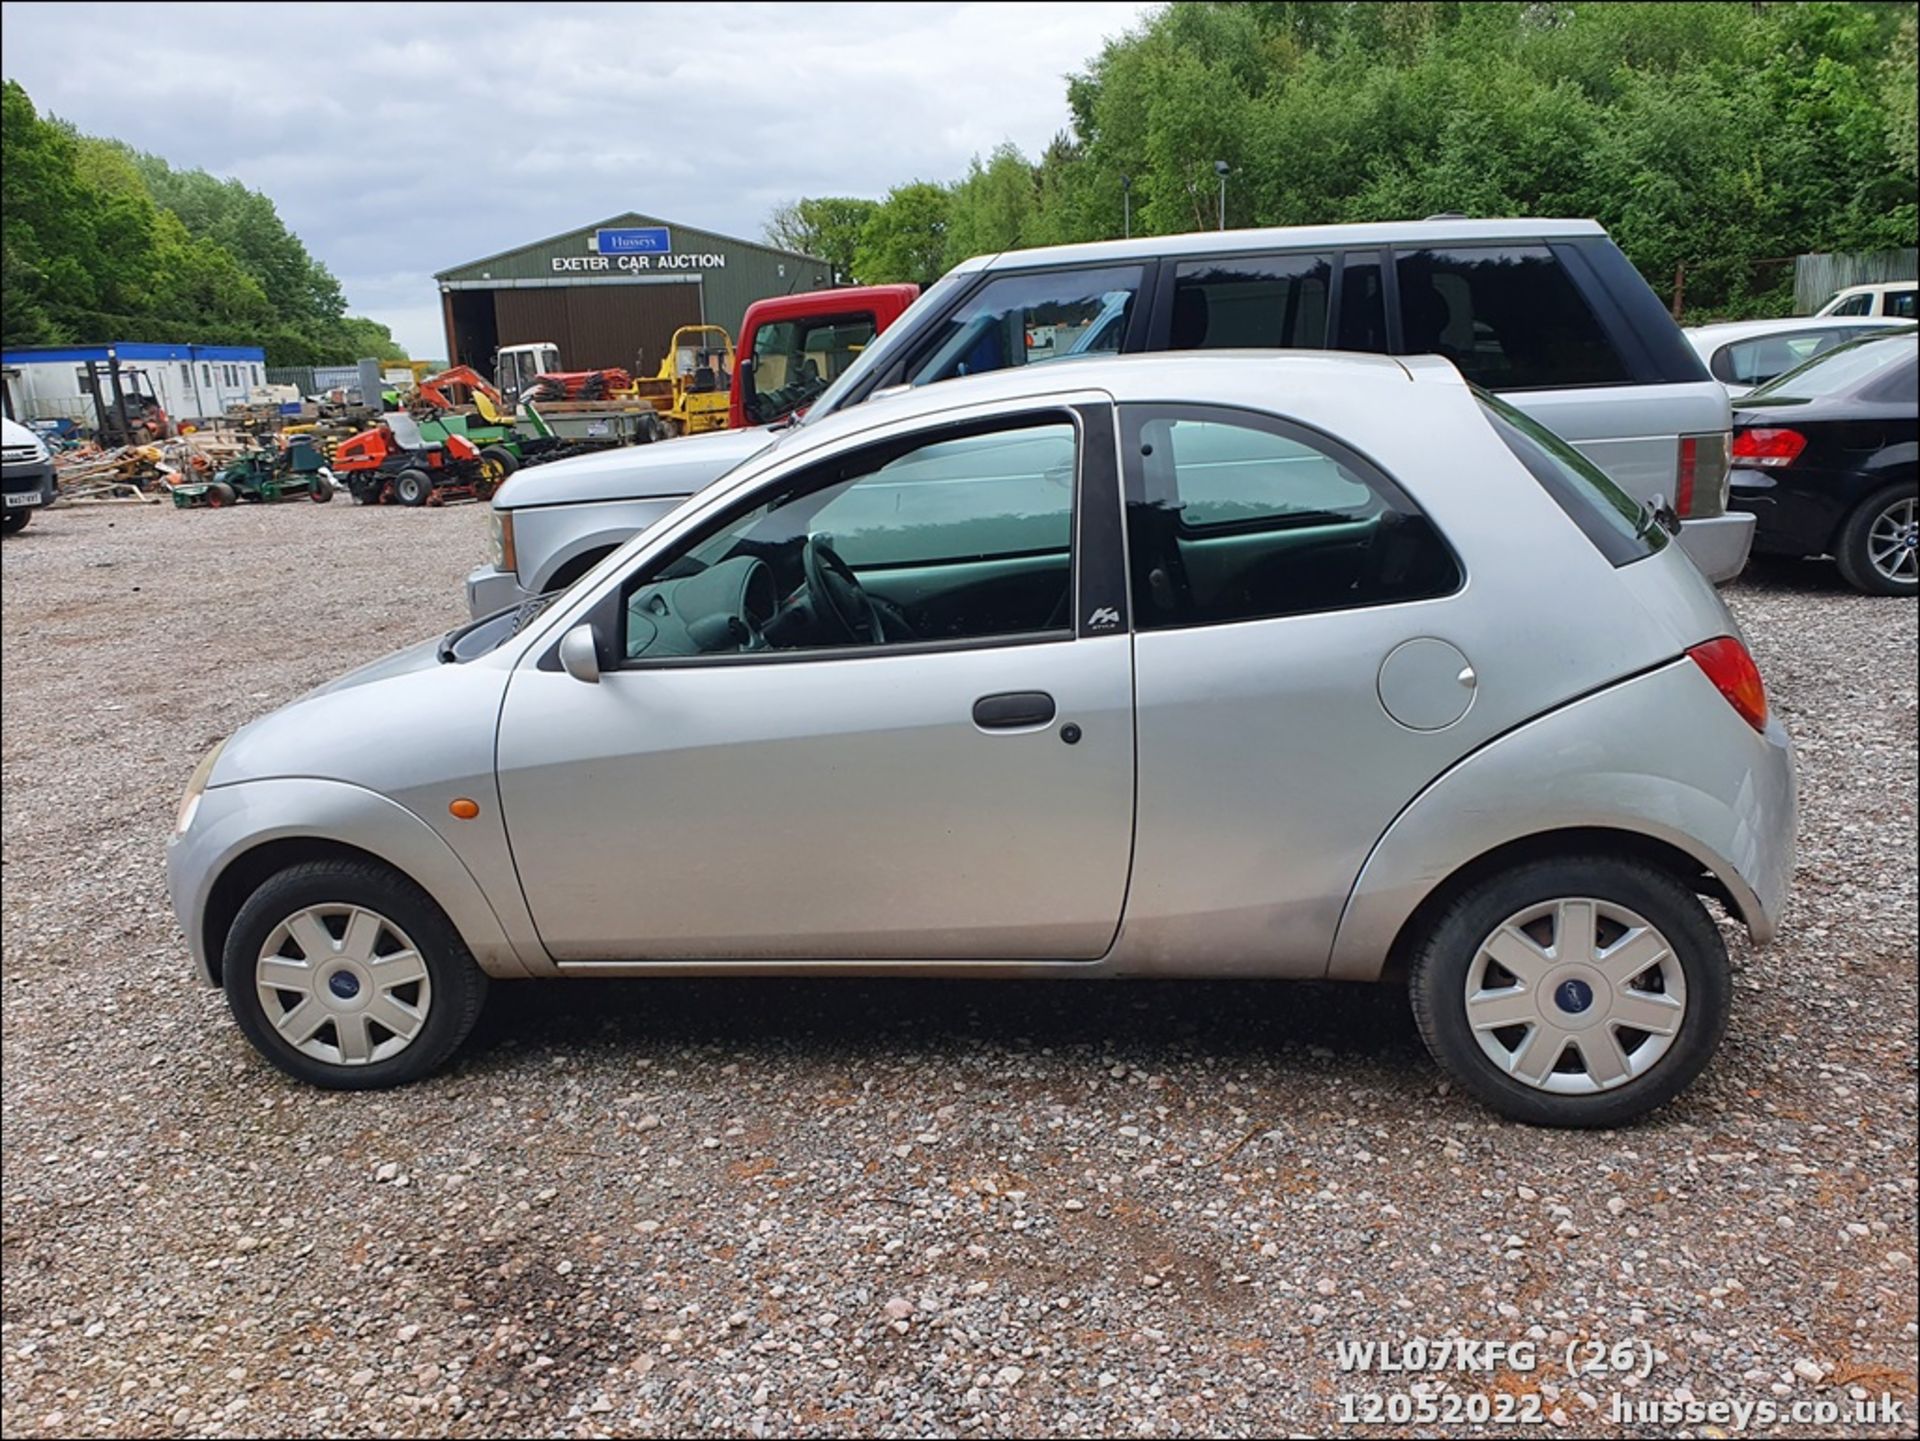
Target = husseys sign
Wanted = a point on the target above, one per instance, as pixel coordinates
(636, 248)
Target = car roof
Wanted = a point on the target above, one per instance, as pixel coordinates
(1309, 380)
(1720, 332)
(1294, 237)
(1873, 287)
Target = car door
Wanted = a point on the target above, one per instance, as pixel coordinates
(852, 716)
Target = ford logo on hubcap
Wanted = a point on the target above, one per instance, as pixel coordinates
(1573, 996)
(344, 985)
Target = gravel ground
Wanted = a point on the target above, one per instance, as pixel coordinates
(835, 1207)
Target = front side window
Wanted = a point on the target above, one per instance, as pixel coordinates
(1507, 316)
(1233, 518)
(1861, 304)
(960, 537)
(794, 360)
(1255, 302)
(1030, 319)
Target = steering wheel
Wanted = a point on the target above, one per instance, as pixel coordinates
(837, 593)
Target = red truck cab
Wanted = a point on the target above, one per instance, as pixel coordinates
(792, 347)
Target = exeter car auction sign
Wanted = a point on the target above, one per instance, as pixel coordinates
(636, 248)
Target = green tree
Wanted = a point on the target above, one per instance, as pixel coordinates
(827, 226)
(992, 208)
(98, 242)
(906, 237)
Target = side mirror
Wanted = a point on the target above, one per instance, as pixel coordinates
(579, 655)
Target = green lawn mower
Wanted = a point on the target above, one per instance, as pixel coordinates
(262, 476)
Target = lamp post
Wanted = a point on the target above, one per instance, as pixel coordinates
(1126, 207)
(1220, 169)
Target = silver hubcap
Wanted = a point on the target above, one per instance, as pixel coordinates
(343, 984)
(1575, 996)
(1893, 542)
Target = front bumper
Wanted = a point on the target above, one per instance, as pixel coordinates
(490, 591)
(1718, 545)
(28, 485)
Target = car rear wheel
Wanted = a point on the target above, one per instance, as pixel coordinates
(15, 519)
(345, 974)
(1582, 991)
(1879, 549)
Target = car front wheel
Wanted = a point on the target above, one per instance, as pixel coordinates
(1582, 991)
(345, 974)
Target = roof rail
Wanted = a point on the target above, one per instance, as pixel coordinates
(1448, 215)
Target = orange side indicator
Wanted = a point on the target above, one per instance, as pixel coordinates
(465, 809)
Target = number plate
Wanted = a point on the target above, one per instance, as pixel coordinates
(24, 497)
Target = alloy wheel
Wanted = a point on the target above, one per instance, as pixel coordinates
(1893, 541)
(343, 984)
(1575, 996)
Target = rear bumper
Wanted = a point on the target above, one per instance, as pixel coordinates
(28, 485)
(1718, 545)
(490, 591)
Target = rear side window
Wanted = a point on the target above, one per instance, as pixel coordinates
(1900, 304)
(1616, 524)
(1254, 302)
(1232, 517)
(1030, 319)
(1508, 316)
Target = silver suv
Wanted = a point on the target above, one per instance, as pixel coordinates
(1547, 313)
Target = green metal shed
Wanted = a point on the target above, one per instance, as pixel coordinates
(612, 293)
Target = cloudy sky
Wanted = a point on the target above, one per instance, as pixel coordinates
(400, 139)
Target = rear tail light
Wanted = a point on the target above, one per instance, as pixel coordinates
(1735, 676)
(1703, 471)
(1767, 446)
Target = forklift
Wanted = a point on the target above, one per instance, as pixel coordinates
(135, 415)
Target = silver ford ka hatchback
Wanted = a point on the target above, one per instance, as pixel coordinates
(1287, 665)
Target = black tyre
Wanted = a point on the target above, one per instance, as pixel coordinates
(413, 487)
(1577, 991)
(320, 491)
(1879, 546)
(500, 461)
(220, 494)
(345, 974)
(15, 519)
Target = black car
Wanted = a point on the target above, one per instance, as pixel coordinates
(1824, 457)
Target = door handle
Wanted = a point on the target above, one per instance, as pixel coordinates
(1012, 710)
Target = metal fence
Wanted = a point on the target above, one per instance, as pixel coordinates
(315, 379)
(1817, 277)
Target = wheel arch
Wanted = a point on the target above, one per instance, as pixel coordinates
(578, 565)
(1662, 769)
(247, 831)
(246, 872)
(1560, 844)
